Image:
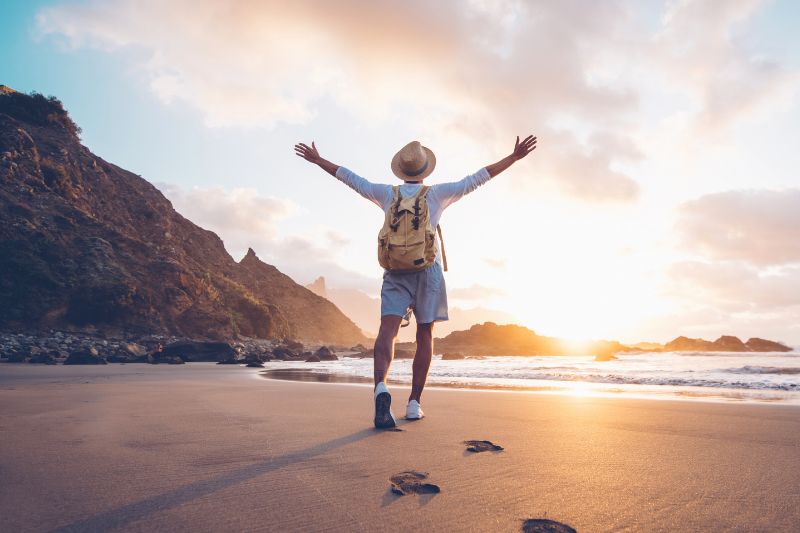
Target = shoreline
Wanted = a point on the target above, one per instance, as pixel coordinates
(566, 388)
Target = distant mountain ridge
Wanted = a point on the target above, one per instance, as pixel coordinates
(725, 343)
(509, 339)
(86, 245)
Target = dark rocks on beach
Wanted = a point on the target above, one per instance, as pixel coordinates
(360, 348)
(18, 357)
(231, 361)
(194, 351)
(85, 357)
(257, 358)
(452, 356)
(44, 358)
(132, 349)
(293, 345)
(283, 353)
(126, 358)
(255, 364)
(325, 354)
(313, 359)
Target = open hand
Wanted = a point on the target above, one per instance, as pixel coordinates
(309, 153)
(521, 149)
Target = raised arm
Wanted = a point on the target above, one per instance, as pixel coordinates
(377, 193)
(521, 149)
(447, 193)
(310, 154)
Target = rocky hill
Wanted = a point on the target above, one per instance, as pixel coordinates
(725, 343)
(493, 339)
(88, 246)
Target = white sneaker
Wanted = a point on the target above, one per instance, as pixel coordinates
(414, 411)
(384, 418)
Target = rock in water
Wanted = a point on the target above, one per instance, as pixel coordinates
(729, 343)
(452, 356)
(325, 354)
(404, 354)
(763, 345)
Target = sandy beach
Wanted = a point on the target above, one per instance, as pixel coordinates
(202, 448)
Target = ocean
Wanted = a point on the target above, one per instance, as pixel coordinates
(717, 376)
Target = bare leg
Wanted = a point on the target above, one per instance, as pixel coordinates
(384, 346)
(422, 359)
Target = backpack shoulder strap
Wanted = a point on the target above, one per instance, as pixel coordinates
(441, 240)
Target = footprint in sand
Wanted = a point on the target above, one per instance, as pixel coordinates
(478, 446)
(543, 525)
(412, 482)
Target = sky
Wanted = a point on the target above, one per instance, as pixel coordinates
(663, 199)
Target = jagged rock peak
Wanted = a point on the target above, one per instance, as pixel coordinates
(249, 256)
(318, 287)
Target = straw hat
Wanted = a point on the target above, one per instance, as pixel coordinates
(413, 162)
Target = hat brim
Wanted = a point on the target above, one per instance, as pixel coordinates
(419, 177)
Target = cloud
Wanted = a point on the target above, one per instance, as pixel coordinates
(756, 226)
(700, 49)
(736, 287)
(477, 68)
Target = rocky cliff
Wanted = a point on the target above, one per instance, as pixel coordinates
(86, 245)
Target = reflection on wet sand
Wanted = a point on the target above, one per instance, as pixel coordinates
(304, 374)
(577, 389)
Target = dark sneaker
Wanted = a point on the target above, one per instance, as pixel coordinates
(384, 418)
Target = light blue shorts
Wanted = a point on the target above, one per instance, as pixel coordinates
(422, 292)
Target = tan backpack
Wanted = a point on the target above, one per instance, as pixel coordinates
(407, 241)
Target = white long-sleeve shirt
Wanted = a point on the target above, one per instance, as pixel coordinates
(440, 195)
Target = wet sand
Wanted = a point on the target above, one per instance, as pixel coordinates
(204, 448)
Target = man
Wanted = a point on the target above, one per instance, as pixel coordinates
(422, 292)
